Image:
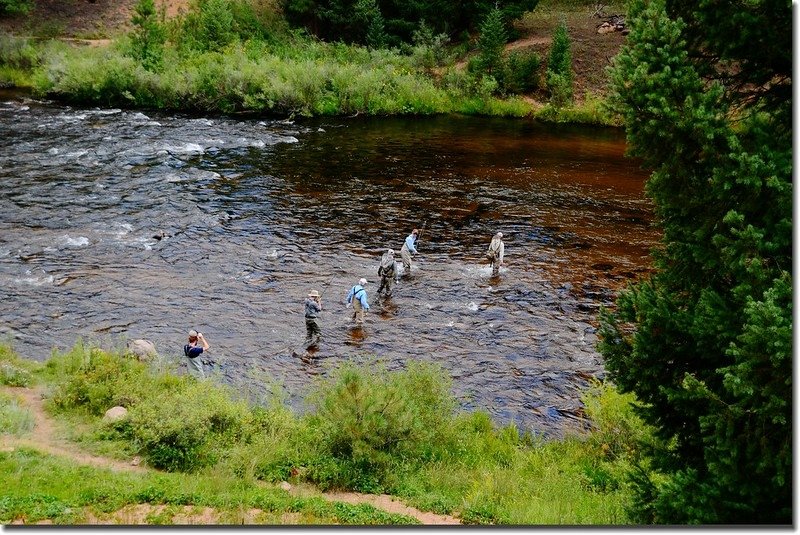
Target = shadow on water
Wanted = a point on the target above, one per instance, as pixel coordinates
(118, 224)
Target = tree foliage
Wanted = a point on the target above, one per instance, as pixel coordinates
(559, 67)
(345, 20)
(491, 43)
(705, 343)
(148, 36)
(16, 7)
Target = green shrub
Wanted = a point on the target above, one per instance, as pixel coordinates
(187, 427)
(17, 52)
(372, 422)
(559, 68)
(617, 431)
(96, 381)
(491, 42)
(15, 371)
(12, 375)
(429, 50)
(521, 72)
(15, 419)
(16, 7)
(208, 26)
(148, 36)
(278, 446)
(376, 31)
(560, 87)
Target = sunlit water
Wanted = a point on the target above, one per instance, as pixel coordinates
(252, 214)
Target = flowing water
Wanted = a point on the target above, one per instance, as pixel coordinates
(119, 225)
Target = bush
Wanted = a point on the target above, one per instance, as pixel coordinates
(559, 68)
(521, 72)
(16, 7)
(198, 30)
(15, 371)
(17, 52)
(148, 37)
(429, 50)
(12, 375)
(187, 427)
(491, 42)
(616, 429)
(15, 419)
(278, 446)
(560, 87)
(96, 381)
(371, 423)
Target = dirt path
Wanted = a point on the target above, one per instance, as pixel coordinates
(384, 502)
(45, 437)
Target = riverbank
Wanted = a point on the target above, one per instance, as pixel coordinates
(290, 75)
(197, 452)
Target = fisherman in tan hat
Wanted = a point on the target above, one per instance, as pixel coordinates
(313, 308)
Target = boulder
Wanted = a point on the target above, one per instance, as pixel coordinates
(143, 350)
(115, 413)
(606, 28)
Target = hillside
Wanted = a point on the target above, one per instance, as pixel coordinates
(96, 21)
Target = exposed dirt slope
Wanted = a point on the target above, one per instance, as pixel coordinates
(45, 437)
(83, 19)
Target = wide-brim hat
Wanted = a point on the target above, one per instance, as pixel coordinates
(313, 293)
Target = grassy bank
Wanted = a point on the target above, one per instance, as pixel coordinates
(267, 69)
(365, 429)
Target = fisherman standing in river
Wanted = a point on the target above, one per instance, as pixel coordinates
(357, 298)
(313, 305)
(387, 271)
(495, 253)
(409, 248)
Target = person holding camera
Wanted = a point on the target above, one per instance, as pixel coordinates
(192, 350)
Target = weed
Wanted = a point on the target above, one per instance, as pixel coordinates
(15, 419)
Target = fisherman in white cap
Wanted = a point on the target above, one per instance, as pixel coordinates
(409, 248)
(313, 306)
(495, 253)
(387, 272)
(357, 298)
(192, 351)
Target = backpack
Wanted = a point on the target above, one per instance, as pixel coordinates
(491, 254)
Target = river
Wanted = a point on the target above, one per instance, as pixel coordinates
(118, 224)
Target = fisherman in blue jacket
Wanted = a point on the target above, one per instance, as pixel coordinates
(409, 248)
(357, 297)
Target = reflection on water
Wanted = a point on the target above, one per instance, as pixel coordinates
(117, 224)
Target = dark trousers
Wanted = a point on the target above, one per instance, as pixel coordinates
(313, 332)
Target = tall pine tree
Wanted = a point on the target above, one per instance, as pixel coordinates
(706, 342)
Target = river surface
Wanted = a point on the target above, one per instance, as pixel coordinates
(120, 224)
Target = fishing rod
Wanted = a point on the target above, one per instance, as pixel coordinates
(326, 286)
(425, 224)
(321, 293)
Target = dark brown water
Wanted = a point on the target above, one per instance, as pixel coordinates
(257, 213)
